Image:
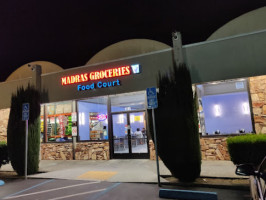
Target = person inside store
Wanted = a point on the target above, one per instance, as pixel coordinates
(144, 135)
(139, 136)
(143, 132)
(62, 139)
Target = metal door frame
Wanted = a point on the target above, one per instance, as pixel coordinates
(129, 155)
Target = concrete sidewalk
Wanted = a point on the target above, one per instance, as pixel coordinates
(133, 170)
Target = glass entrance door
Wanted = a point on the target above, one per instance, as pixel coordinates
(129, 135)
(120, 133)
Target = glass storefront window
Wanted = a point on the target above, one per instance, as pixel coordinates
(128, 101)
(224, 108)
(93, 122)
(58, 122)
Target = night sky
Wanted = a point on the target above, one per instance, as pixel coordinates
(70, 32)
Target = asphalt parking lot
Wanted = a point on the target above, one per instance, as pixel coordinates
(115, 179)
(53, 189)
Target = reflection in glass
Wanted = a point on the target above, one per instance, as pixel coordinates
(127, 102)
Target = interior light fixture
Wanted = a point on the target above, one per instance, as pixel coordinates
(245, 108)
(81, 118)
(121, 119)
(217, 110)
(132, 118)
(141, 119)
(127, 108)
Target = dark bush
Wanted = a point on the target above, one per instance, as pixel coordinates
(3, 154)
(16, 131)
(177, 125)
(247, 148)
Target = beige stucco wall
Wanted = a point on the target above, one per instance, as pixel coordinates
(9, 88)
(249, 22)
(127, 48)
(151, 64)
(25, 71)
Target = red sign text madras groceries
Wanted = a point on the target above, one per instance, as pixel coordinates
(96, 75)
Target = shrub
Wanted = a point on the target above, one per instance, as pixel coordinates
(247, 148)
(16, 131)
(177, 125)
(3, 154)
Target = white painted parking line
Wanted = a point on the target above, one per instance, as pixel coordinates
(96, 196)
(61, 188)
(73, 195)
(48, 181)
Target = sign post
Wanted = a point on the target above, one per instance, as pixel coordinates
(25, 117)
(152, 104)
(74, 132)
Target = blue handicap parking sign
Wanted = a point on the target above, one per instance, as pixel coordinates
(25, 111)
(152, 98)
(25, 107)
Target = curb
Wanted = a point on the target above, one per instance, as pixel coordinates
(188, 195)
(219, 185)
(232, 187)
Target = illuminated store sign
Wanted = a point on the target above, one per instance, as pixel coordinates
(99, 84)
(102, 117)
(99, 76)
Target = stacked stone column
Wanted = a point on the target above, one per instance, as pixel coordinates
(258, 97)
(4, 115)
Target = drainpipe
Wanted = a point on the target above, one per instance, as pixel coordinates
(36, 76)
(177, 48)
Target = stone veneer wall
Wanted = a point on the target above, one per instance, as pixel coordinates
(92, 151)
(212, 148)
(83, 151)
(4, 115)
(152, 150)
(258, 97)
(56, 151)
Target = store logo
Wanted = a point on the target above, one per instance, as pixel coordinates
(135, 68)
(102, 117)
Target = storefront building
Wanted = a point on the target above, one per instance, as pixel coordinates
(99, 111)
(103, 114)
